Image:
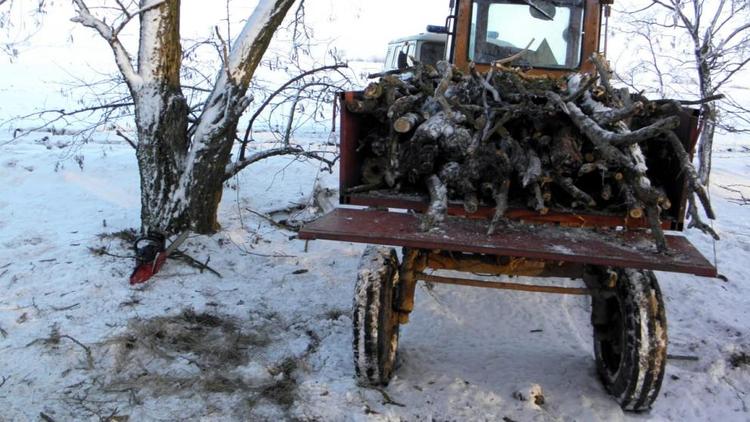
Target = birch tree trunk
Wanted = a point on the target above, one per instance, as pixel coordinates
(709, 116)
(183, 167)
(216, 130)
(719, 34)
(161, 115)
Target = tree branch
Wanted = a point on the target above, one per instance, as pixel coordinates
(122, 57)
(293, 108)
(227, 99)
(588, 126)
(255, 36)
(694, 102)
(737, 67)
(129, 16)
(126, 138)
(278, 91)
(234, 168)
(733, 34)
(61, 114)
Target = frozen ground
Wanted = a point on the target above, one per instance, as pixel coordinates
(271, 338)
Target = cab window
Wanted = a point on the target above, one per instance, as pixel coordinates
(431, 52)
(388, 59)
(403, 53)
(552, 30)
(411, 49)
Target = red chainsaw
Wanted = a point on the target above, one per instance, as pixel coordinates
(151, 254)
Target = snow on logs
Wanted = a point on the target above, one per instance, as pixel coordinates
(505, 138)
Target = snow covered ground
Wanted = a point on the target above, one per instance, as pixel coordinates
(271, 339)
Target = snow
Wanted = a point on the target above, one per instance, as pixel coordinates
(466, 354)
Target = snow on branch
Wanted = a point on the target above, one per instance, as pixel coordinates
(254, 39)
(130, 15)
(227, 100)
(122, 58)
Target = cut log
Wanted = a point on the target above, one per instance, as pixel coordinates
(392, 169)
(363, 107)
(593, 131)
(438, 203)
(500, 194)
(373, 91)
(652, 213)
(617, 115)
(693, 180)
(455, 175)
(446, 70)
(635, 207)
(592, 167)
(471, 202)
(566, 183)
(407, 122)
(533, 170)
(467, 137)
(536, 200)
(373, 171)
(405, 104)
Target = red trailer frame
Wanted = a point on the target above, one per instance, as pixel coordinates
(597, 230)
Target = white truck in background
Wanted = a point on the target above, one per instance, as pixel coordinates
(426, 48)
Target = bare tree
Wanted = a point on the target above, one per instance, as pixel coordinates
(694, 47)
(18, 22)
(183, 160)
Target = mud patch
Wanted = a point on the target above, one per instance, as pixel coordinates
(739, 360)
(205, 340)
(283, 391)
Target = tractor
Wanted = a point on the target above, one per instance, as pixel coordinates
(542, 37)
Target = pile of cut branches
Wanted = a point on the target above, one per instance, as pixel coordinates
(506, 138)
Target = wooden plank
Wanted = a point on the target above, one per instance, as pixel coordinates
(548, 242)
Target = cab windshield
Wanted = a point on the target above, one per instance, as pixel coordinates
(552, 30)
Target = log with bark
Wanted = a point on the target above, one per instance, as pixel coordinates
(508, 139)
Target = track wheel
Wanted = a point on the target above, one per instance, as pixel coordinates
(630, 339)
(374, 320)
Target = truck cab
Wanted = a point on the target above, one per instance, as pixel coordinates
(428, 48)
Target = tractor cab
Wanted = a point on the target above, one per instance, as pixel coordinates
(551, 37)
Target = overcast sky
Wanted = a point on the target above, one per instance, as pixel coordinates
(360, 27)
(61, 49)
